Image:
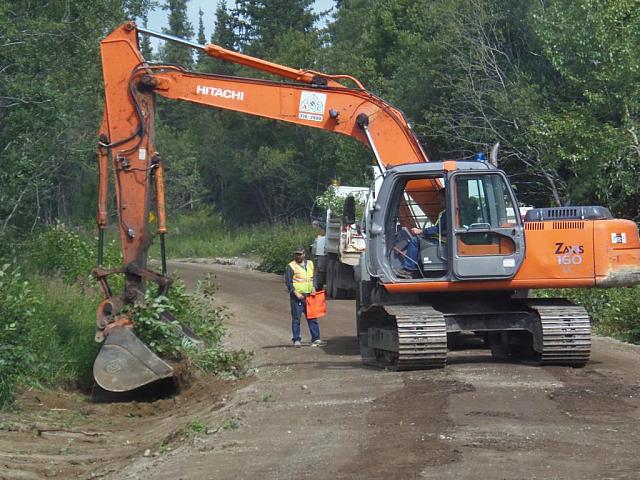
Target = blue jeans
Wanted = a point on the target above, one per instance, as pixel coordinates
(298, 307)
(411, 258)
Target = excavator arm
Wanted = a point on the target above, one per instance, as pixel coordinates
(127, 146)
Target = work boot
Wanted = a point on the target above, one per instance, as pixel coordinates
(402, 273)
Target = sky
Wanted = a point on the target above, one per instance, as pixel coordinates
(158, 17)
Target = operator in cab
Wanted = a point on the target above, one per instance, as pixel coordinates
(436, 233)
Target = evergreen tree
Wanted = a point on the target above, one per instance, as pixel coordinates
(261, 24)
(179, 26)
(202, 38)
(277, 165)
(176, 139)
(223, 34)
(145, 43)
(50, 107)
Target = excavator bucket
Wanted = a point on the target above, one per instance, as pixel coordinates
(126, 363)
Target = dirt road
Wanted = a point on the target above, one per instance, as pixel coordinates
(317, 413)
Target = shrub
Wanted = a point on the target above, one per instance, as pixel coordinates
(276, 251)
(61, 335)
(161, 336)
(332, 200)
(60, 250)
(196, 311)
(18, 304)
(47, 323)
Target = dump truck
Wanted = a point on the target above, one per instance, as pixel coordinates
(336, 250)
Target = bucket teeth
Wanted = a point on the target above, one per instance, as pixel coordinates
(126, 363)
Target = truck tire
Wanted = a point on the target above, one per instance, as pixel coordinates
(338, 271)
(341, 274)
(329, 276)
(335, 271)
(321, 275)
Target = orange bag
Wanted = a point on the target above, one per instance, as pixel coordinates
(316, 305)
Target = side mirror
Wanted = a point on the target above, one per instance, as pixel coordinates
(349, 210)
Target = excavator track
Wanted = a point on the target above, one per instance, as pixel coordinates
(420, 338)
(566, 332)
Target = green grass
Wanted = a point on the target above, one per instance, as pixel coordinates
(47, 317)
(200, 427)
(61, 334)
(196, 426)
(46, 333)
(204, 234)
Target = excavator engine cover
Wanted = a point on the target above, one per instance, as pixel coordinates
(126, 363)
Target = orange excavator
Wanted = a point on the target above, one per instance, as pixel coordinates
(448, 252)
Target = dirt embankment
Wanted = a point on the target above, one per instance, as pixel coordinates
(318, 413)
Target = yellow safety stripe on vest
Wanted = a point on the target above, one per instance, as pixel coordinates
(436, 236)
(302, 279)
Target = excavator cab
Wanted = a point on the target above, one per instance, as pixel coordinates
(446, 224)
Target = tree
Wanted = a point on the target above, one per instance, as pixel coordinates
(593, 47)
(555, 82)
(261, 169)
(145, 43)
(260, 24)
(179, 26)
(201, 37)
(223, 34)
(50, 107)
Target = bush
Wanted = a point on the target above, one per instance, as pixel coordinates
(331, 200)
(47, 323)
(62, 251)
(46, 333)
(160, 336)
(59, 250)
(198, 312)
(61, 334)
(277, 250)
(18, 304)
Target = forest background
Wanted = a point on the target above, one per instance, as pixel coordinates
(556, 82)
